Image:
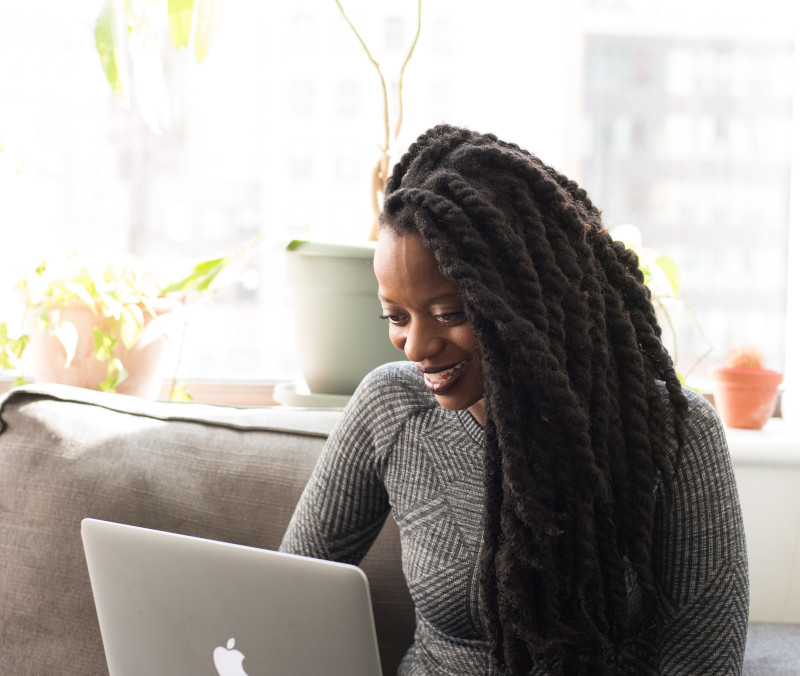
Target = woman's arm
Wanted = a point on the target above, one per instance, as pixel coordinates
(700, 556)
(345, 504)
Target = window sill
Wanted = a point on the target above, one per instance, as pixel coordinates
(223, 393)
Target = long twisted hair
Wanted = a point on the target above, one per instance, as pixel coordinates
(576, 424)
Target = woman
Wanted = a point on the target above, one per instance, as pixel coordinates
(565, 507)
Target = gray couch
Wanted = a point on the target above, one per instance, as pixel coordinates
(211, 471)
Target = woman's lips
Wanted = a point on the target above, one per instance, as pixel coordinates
(441, 382)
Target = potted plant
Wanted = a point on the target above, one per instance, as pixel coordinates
(108, 328)
(333, 288)
(745, 393)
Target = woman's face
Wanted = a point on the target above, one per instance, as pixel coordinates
(427, 321)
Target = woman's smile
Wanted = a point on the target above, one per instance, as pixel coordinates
(441, 382)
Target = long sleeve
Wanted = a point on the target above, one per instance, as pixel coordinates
(700, 557)
(344, 504)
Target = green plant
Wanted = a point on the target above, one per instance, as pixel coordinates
(381, 170)
(124, 296)
(136, 24)
(662, 276)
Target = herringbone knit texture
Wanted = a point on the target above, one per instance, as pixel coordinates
(397, 449)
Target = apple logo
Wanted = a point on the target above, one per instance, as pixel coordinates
(228, 661)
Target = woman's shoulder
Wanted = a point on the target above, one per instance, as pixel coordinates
(393, 390)
(703, 432)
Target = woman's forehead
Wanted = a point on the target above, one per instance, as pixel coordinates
(402, 260)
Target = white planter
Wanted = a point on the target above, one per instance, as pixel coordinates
(339, 335)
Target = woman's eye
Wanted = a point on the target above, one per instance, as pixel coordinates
(450, 317)
(393, 319)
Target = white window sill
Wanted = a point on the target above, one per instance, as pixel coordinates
(224, 393)
(778, 443)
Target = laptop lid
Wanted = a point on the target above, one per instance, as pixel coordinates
(184, 606)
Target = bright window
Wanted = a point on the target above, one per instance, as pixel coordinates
(677, 117)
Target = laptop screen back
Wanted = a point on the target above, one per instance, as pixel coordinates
(184, 606)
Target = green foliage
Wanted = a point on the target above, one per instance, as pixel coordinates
(180, 13)
(199, 279)
(11, 349)
(109, 36)
(180, 393)
(125, 26)
(209, 18)
(123, 296)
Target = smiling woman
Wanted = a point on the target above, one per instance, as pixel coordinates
(564, 505)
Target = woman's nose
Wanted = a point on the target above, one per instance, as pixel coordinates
(421, 343)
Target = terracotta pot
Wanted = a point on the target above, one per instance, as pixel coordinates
(745, 397)
(146, 361)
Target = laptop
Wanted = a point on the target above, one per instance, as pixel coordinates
(175, 605)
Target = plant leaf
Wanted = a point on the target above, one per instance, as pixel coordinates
(671, 271)
(180, 393)
(18, 345)
(116, 374)
(79, 289)
(131, 322)
(148, 75)
(200, 278)
(104, 344)
(180, 22)
(209, 18)
(109, 35)
(67, 334)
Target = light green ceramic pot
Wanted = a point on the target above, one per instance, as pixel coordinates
(339, 334)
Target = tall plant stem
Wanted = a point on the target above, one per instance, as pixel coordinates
(381, 170)
(380, 75)
(399, 122)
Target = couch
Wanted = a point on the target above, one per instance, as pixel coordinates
(217, 472)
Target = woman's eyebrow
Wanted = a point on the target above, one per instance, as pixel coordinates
(428, 301)
(441, 297)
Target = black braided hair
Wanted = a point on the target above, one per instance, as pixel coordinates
(575, 431)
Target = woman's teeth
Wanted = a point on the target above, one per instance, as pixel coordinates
(443, 376)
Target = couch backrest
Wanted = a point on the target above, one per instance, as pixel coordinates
(209, 471)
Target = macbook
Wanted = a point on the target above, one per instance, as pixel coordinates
(175, 605)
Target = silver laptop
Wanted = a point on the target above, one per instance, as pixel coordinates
(175, 605)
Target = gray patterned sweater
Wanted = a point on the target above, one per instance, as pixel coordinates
(395, 449)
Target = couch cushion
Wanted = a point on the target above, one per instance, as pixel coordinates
(210, 471)
(772, 649)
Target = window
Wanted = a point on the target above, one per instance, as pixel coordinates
(683, 128)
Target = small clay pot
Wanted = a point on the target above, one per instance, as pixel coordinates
(745, 397)
(146, 361)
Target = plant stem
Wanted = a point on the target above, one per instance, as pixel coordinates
(671, 329)
(380, 74)
(399, 122)
(710, 346)
(180, 349)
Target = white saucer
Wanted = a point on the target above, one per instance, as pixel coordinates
(297, 394)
